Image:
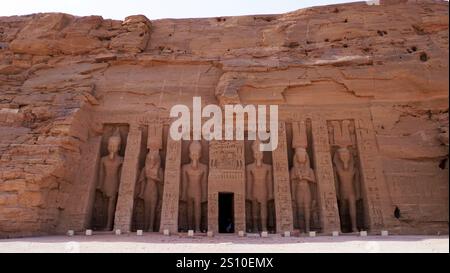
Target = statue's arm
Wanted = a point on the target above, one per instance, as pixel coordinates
(161, 176)
(204, 186)
(119, 171)
(336, 183)
(160, 184)
(270, 183)
(291, 184)
(313, 187)
(357, 184)
(183, 184)
(312, 176)
(157, 174)
(336, 168)
(141, 183)
(101, 176)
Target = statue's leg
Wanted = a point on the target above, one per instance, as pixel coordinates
(152, 211)
(146, 215)
(307, 214)
(255, 215)
(190, 213)
(307, 211)
(298, 210)
(197, 214)
(342, 208)
(352, 211)
(158, 206)
(298, 205)
(111, 207)
(263, 216)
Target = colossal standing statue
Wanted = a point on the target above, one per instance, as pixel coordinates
(302, 176)
(345, 168)
(151, 187)
(346, 171)
(194, 185)
(259, 187)
(109, 176)
(302, 180)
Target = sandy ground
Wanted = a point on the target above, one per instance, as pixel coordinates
(224, 243)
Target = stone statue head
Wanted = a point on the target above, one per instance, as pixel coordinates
(345, 156)
(257, 154)
(301, 157)
(153, 158)
(114, 143)
(195, 151)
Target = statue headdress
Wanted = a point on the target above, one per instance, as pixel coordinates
(341, 134)
(299, 138)
(255, 144)
(115, 138)
(154, 138)
(195, 146)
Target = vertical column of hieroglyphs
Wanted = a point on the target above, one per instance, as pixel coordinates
(239, 178)
(213, 209)
(213, 190)
(171, 192)
(282, 192)
(124, 208)
(375, 188)
(329, 214)
(226, 174)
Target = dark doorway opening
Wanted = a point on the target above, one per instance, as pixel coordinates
(226, 212)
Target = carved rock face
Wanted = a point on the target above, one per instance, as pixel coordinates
(60, 75)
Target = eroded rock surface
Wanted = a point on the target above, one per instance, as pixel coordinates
(55, 69)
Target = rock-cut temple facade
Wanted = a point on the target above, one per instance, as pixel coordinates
(362, 94)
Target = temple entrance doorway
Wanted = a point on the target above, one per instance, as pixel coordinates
(226, 212)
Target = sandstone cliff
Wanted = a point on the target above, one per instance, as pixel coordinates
(392, 58)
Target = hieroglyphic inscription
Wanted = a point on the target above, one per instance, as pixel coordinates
(325, 177)
(282, 192)
(373, 180)
(124, 209)
(171, 193)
